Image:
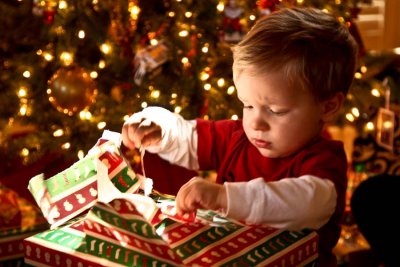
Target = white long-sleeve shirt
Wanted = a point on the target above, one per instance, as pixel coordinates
(293, 202)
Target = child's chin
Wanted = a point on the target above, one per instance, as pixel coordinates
(268, 153)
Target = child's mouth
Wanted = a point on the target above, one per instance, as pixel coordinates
(262, 144)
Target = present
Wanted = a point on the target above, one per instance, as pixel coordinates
(19, 221)
(119, 234)
(125, 228)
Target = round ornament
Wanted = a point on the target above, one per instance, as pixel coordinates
(71, 89)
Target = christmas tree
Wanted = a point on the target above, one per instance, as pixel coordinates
(72, 68)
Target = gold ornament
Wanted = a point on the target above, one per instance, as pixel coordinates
(71, 89)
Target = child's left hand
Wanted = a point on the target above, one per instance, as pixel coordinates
(200, 193)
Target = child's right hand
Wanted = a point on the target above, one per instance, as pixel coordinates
(200, 193)
(139, 131)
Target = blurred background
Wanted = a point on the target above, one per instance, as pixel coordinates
(69, 69)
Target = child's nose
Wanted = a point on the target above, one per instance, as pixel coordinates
(260, 123)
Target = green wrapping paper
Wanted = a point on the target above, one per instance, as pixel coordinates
(74, 190)
(126, 229)
(118, 234)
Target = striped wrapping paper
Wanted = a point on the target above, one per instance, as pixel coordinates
(75, 190)
(133, 231)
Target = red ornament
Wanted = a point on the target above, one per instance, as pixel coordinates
(193, 50)
(48, 16)
(46, 9)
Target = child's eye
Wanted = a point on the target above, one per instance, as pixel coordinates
(247, 107)
(278, 112)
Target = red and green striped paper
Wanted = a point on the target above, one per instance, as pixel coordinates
(117, 234)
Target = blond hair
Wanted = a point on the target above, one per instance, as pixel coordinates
(310, 47)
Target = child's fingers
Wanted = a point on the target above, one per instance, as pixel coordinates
(129, 129)
(147, 133)
(188, 198)
(186, 206)
(152, 137)
(127, 136)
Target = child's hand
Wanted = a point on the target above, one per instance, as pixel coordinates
(199, 193)
(139, 131)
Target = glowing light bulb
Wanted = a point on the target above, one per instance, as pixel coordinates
(204, 76)
(350, 117)
(355, 112)
(102, 64)
(62, 4)
(178, 109)
(81, 154)
(105, 48)
(58, 133)
(67, 58)
(47, 56)
(24, 152)
(134, 10)
(221, 82)
(155, 94)
(153, 42)
(220, 7)
(66, 146)
(85, 115)
(231, 90)
(101, 125)
(183, 33)
(369, 126)
(375, 92)
(26, 74)
(22, 92)
(23, 109)
(363, 69)
(81, 34)
(94, 74)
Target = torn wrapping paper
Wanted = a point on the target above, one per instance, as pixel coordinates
(74, 190)
(118, 234)
(127, 229)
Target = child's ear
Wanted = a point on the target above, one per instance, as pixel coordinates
(332, 106)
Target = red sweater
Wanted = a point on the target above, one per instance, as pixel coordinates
(223, 146)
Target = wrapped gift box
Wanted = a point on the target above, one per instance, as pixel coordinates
(117, 234)
(11, 237)
(126, 228)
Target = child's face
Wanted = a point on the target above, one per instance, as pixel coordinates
(277, 119)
